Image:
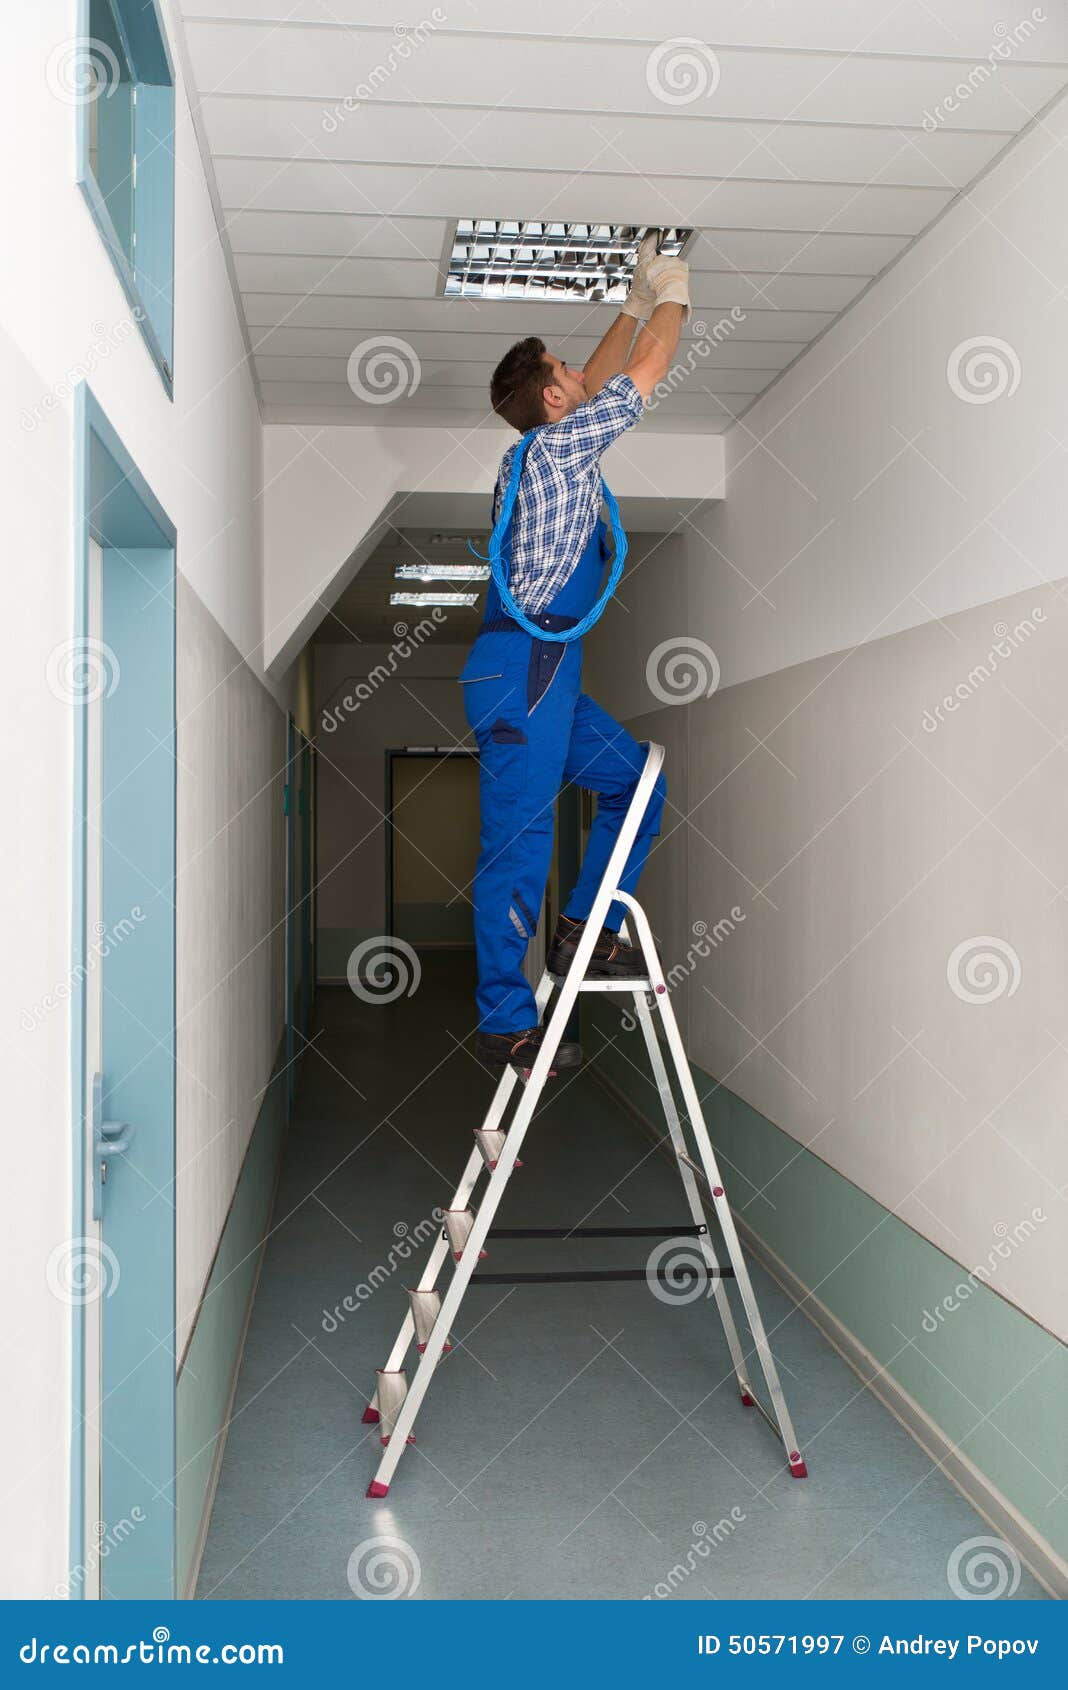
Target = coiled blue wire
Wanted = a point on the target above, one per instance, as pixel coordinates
(499, 569)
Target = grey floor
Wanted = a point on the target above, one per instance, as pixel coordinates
(581, 1441)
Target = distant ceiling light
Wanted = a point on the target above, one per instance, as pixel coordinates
(442, 572)
(458, 600)
(577, 262)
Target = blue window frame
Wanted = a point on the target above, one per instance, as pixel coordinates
(126, 158)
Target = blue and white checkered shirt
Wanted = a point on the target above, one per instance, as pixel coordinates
(559, 497)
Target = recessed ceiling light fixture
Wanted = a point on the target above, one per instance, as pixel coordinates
(585, 263)
(442, 572)
(463, 601)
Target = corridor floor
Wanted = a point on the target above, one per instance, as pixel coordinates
(580, 1441)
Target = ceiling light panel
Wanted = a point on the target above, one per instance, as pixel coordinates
(457, 600)
(442, 572)
(584, 263)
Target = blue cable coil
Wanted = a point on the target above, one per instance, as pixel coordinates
(499, 569)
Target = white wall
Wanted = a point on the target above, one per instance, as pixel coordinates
(879, 510)
(62, 313)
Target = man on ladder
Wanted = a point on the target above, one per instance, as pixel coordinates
(535, 728)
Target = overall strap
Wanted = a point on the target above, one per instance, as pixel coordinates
(499, 569)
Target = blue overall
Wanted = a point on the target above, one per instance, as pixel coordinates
(537, 729)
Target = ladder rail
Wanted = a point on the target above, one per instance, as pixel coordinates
(723, 1214)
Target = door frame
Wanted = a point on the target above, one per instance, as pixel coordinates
(114, 505)
(426, 754)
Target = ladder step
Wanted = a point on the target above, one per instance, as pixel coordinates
(491, 1143)
(588, 1275)
(391, 1390)
(426, 1306)
(617, 986)
(458, 1224)
(687, 1231)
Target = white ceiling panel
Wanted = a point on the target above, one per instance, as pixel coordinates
(774, 252)
(806, 143)
(952, 28)
(310, 346)
(668, 144)
(406, 191)
(327, 63)
(709, 376)
(470, 316)
(385, 279)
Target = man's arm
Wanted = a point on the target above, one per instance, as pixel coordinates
(654, 348)
(611, 355)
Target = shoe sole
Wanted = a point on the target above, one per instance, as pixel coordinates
(569, 1064)
(596, 971)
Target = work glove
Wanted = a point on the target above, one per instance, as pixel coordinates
(641, 300)
(669, 279)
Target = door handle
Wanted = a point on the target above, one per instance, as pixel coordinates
(110, 1138)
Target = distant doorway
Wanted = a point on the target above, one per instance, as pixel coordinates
(431, 846)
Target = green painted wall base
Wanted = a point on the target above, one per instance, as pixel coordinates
(993, 1382)
(205, 1384)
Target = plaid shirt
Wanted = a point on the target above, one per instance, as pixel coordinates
(559, 496)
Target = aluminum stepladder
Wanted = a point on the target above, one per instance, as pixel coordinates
(431, 1316)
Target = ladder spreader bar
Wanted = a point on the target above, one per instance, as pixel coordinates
(686, 1231)
(563, 1277)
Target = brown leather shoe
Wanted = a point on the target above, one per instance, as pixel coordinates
(611, 960)
(519, 1050)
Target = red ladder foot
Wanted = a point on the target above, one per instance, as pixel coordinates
(371, 1415)
(377, 1490)
(798, 1469)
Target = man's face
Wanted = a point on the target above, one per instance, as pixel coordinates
(567, 389)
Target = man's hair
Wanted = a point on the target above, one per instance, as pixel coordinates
(519, 382)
